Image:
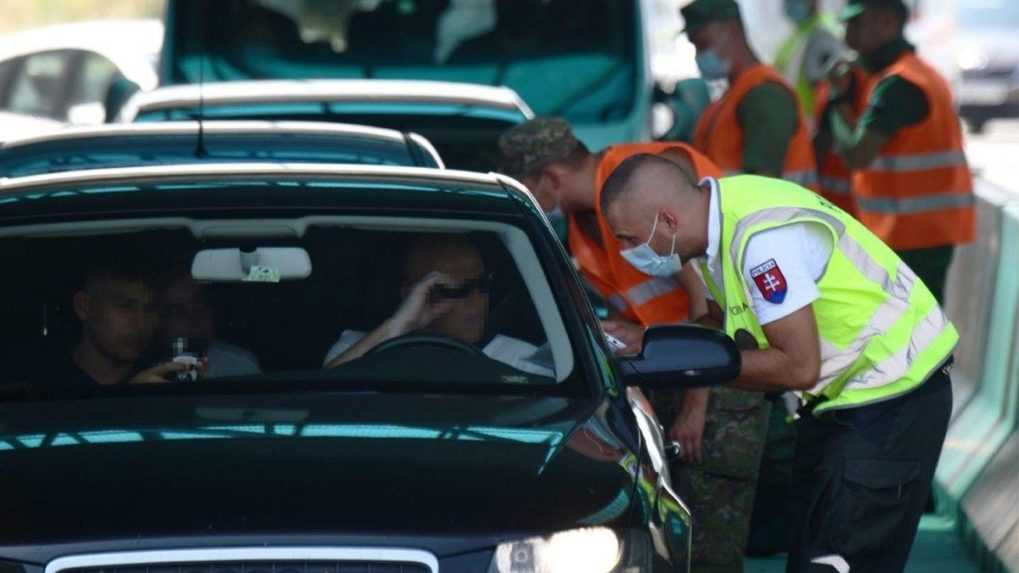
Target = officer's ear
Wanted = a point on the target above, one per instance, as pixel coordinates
(555, 179)
(669, 221)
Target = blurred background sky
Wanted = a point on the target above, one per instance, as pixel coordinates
(24, 14)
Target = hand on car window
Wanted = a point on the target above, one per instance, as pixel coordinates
(418, 310)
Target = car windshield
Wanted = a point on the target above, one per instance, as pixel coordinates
(988, 14)
(586, 48)
(419, 304)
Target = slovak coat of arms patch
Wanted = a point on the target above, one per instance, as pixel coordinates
(770, 281)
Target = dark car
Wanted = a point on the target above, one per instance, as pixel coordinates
(428, 453)
(174, 143)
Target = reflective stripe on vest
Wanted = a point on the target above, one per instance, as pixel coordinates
(918, 161)
(914, 205)
(836, 185)
(891, 349)
(645, 292)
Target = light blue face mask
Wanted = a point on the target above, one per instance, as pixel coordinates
(797, 10)
(556, 216)
(647, 261)
(712, 66)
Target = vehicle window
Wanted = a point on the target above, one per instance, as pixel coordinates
(97, 75)
(453, 307)
(586, 47)
(38, 87)
(5, 72)
(988, 14)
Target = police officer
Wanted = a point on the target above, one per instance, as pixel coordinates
(911, 181)
(721, 432)
(839, 318)
(757, 126)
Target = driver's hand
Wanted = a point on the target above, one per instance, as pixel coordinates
(159, 374)
(417, 311)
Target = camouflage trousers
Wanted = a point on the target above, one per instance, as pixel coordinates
(720, 490)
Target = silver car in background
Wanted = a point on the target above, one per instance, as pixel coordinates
(76, 74)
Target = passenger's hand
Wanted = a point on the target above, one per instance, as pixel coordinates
(629, 333)
(688, 430)
(417, 311)
(160, 374)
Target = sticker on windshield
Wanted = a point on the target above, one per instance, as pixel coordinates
(260, 274)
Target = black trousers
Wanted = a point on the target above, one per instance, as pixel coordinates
(861, 480)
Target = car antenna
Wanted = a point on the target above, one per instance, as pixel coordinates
(200, 150)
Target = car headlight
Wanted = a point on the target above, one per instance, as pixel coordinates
(590, 550)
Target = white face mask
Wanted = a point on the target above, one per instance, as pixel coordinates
(647, 261)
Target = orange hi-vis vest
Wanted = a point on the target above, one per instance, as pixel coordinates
(835, 180)
(918, 193)
(720, 136)
(635, 296)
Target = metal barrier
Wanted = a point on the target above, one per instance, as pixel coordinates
(977, 481)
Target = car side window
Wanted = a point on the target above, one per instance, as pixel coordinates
(5, 72)
(39, 85)
(94, 81)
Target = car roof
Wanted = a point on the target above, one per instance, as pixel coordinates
(291, 91)
(132, 45)
(170, 142)
(436, 189)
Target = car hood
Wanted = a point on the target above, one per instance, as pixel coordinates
(313, 463)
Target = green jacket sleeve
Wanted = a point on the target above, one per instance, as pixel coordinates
(768, 116)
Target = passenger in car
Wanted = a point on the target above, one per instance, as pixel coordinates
(185, 312)
(117, 308)
(445, 291)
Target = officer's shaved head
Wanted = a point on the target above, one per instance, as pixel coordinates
(646, 175)
(648, 191)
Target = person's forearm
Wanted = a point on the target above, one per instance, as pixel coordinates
(386, 331)
(772, 370)
(847, 139)
(694, 400)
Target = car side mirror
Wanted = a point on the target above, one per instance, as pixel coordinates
(675, 357)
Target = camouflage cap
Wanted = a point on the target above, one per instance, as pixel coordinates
(700, 13)
(534, 144)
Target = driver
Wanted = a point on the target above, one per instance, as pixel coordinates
(445, 292)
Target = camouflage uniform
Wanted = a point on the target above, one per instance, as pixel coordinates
(720, 490)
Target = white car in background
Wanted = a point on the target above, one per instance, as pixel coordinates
(70, 73)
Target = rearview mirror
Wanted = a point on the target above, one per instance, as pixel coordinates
(265, 265)
(676, 357)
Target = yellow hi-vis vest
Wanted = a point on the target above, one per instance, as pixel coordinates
(882, 331)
